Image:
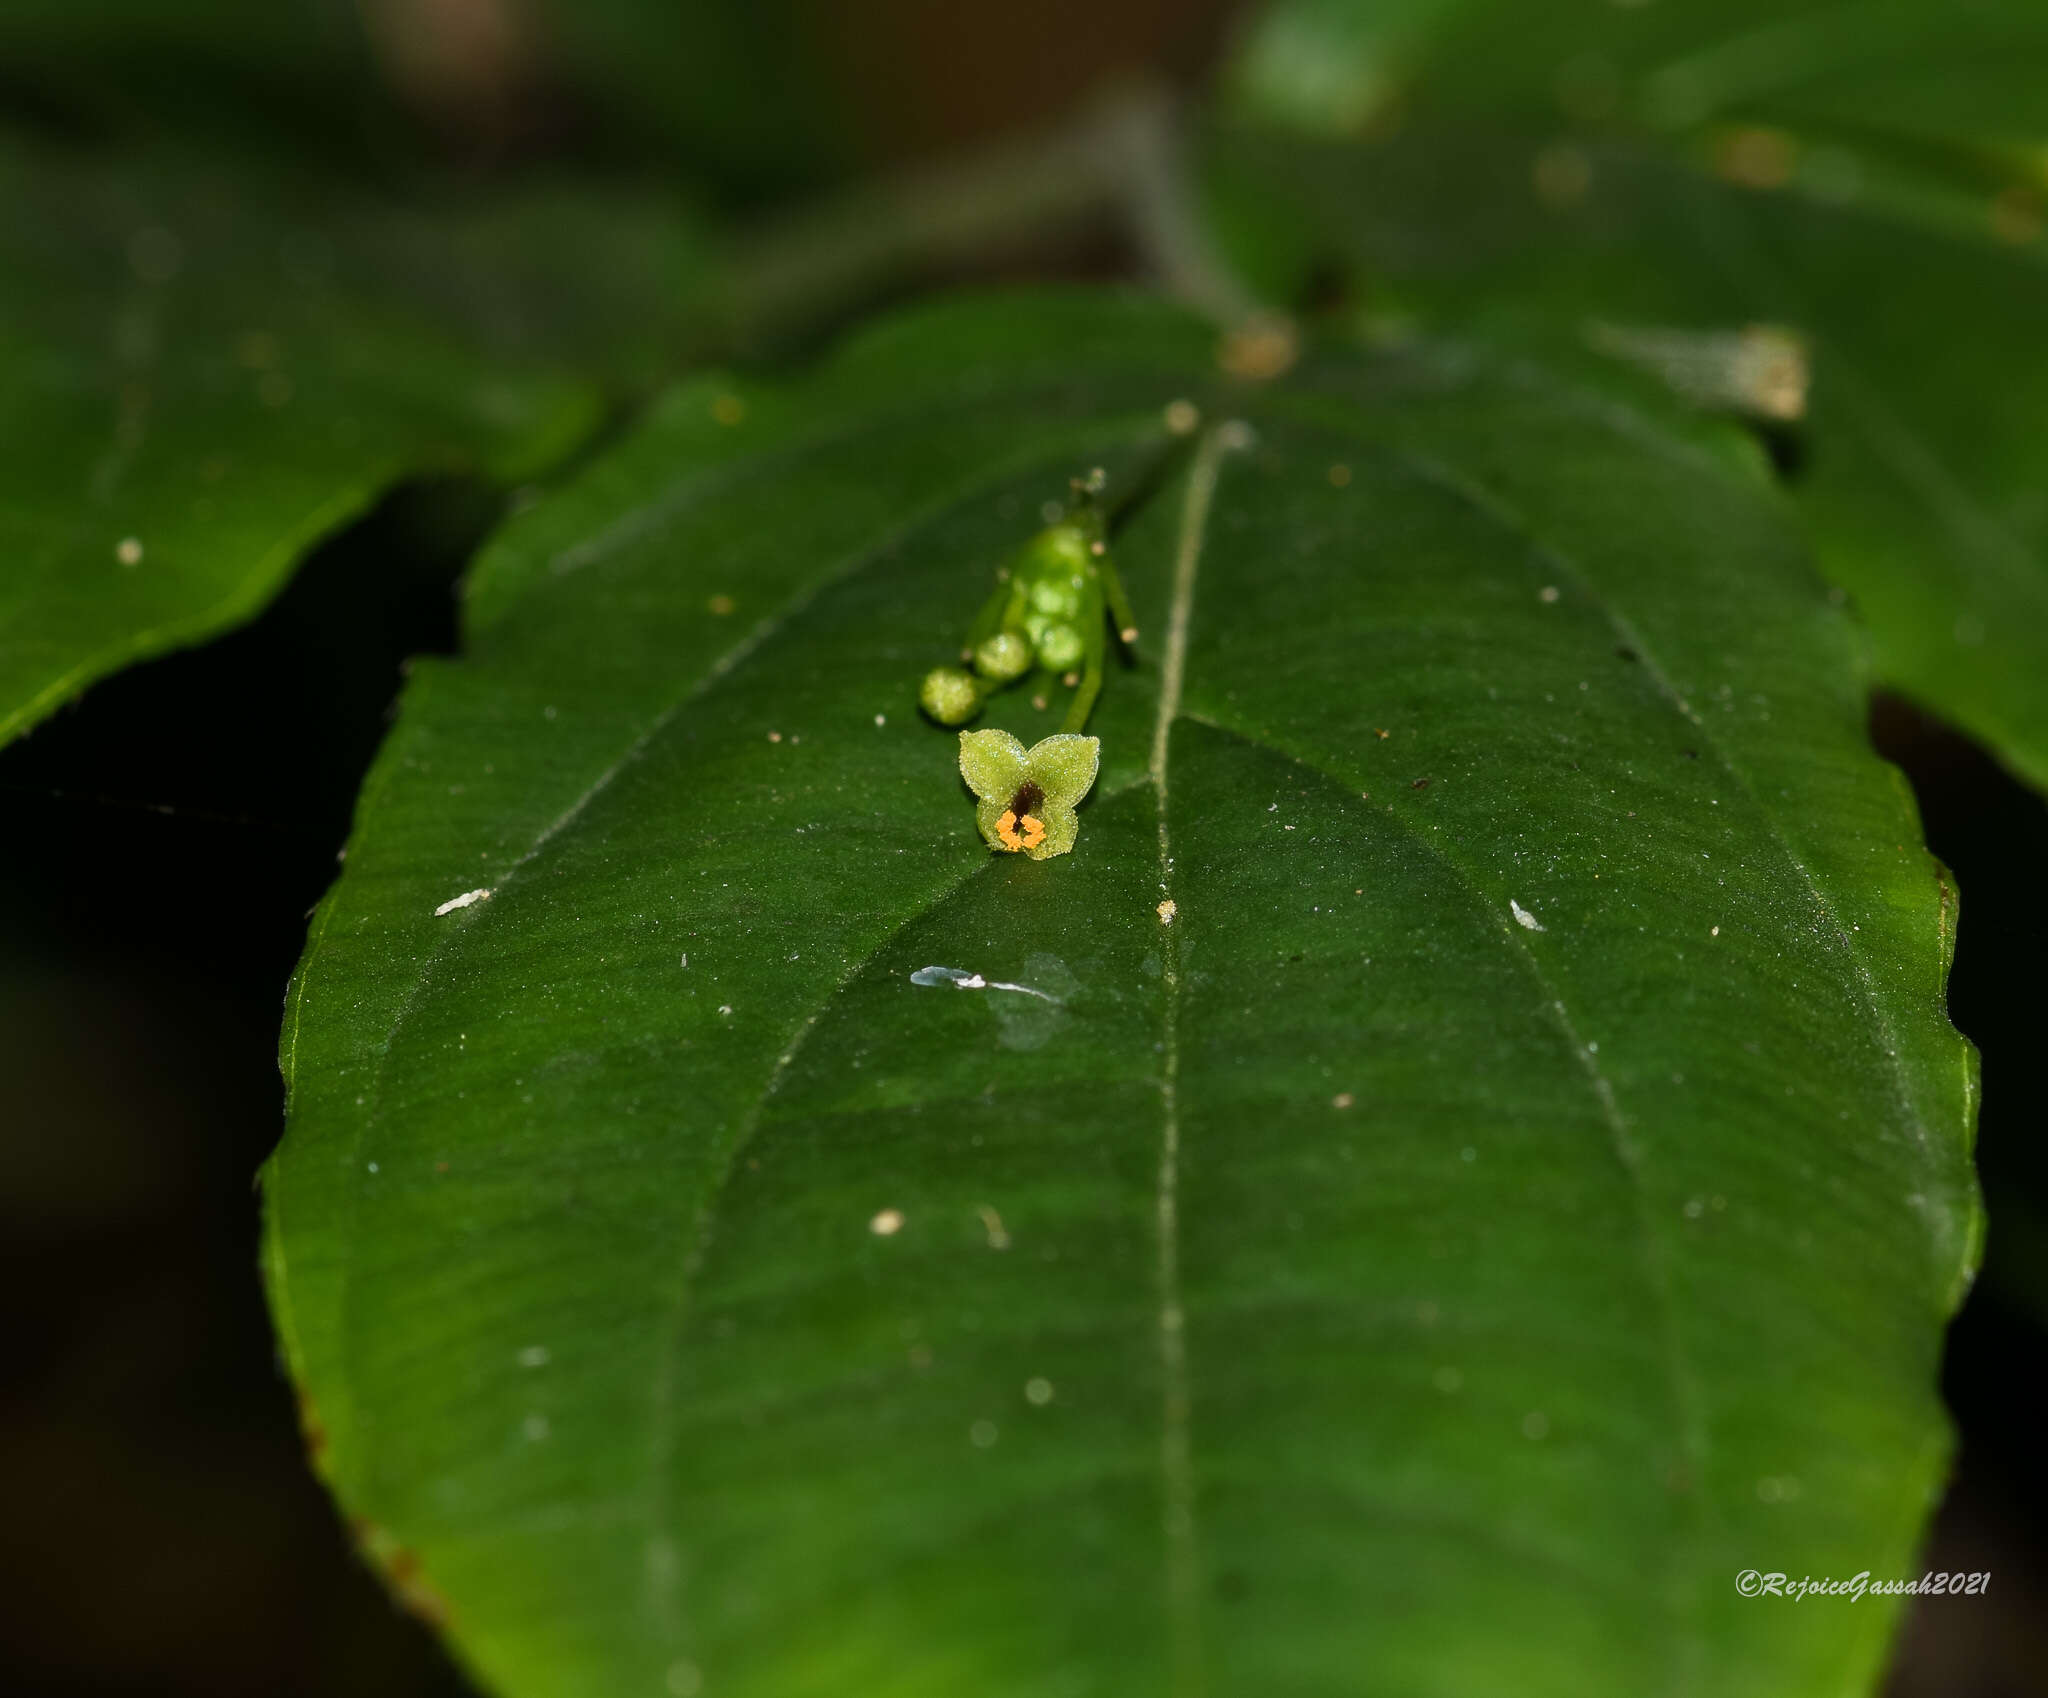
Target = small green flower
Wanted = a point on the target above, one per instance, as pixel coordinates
(1027, 797)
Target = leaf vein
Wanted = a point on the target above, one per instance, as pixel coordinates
(1490, 505)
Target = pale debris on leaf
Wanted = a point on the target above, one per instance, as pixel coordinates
(960, 979)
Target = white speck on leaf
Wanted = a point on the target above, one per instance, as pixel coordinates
(1523, 917)
(886, 1223)
(462, 901)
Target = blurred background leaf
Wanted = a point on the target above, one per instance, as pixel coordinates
(1650, 181)
(208, 372)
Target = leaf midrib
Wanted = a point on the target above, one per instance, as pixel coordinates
(1178, 1530)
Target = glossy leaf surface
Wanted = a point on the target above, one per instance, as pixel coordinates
(1464, 1156)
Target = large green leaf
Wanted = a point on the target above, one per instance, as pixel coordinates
(1868, 174)
(1519, 1185)
(204, 374)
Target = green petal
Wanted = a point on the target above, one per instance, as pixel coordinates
(1061, 828)
(986, 814)
(1063, 766)
(993, 763)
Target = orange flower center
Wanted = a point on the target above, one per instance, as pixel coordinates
(1025, 833)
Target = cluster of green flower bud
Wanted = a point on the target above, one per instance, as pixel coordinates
(1040, 607)
(1047, 613)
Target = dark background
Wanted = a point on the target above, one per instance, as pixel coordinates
(162, 841)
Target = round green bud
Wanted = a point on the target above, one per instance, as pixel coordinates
(1057, 546)
(1056, 596)
(1004, 656)
(1060, 647)
(949, 694)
